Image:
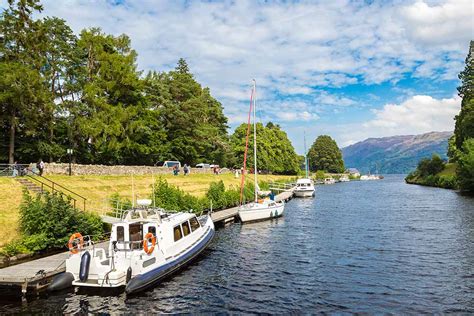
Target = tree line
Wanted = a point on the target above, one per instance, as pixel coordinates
(461, 144)
(84, 92)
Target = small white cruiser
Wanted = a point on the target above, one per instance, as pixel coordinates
(304, 188)
(146, 246)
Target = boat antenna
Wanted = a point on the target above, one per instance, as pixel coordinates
(153, 188)
(133, 193)
(255, 138)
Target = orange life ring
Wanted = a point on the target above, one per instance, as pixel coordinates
(145, 243)
(75, 248)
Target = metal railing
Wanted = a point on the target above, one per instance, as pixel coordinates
(31, 173)
(56, 187)
(15, 170)
(280, 186)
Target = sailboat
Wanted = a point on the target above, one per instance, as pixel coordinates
(305, 186)
(259, 209)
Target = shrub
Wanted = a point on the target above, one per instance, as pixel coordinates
(431, 166)
(216, 194)
(320, 175)
(172, 198)
(119, 202)
(48, 220)
(465, 171)
(13, 248)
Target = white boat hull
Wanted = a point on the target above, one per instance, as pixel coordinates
(258, 212)
(304, 193)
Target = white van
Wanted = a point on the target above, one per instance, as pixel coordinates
(171, 164)
(203, 165)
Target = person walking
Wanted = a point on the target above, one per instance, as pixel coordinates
(40, 166)
(15, 169)
(186, 170)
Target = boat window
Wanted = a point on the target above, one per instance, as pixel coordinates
(120, 233)
(194, 223)
(136, 235)
(177, 233)
(152, 229)
(186, 229)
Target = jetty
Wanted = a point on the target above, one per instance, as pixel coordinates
(34, 276)
(228, 215)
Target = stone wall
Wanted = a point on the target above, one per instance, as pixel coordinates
(77, 169)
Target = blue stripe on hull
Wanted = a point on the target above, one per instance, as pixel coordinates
(141, 281)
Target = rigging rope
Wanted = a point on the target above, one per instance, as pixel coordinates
(246, 150)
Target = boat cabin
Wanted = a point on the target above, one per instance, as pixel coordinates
(168, 228)
(302, 183)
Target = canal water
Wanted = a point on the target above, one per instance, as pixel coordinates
(371, 247)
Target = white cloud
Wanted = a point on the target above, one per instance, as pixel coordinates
(419, 114)
(296, 116)
(292, 45)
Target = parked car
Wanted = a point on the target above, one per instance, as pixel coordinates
(171, 164)
(203, 165)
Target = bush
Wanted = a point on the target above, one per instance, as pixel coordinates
(216, 195)
(172, 198)
(465, 171)
(431, 166)
(320, 175)
(48, 220)
(13, 248)
(119, 202)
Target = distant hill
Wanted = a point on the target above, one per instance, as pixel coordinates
(395, 154)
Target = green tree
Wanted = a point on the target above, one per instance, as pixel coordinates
(431, 166)
(22, 94)
(465, 170)
(325, 155)
(275, 151)
(464, 127)
(194, 122)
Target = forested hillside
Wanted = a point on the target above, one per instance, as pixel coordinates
(395, 154)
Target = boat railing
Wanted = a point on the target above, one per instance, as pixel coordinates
(86, 242)
(281, 186)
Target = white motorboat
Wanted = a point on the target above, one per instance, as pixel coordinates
(344, 178)
(259, 209)
(329, 181)
(146, 246)
(304, 188)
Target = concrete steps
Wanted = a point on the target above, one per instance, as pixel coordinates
(30, 186)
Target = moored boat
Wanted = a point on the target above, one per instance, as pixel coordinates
(329, 181)
(145, 247)
(259, 209)
(304, 188)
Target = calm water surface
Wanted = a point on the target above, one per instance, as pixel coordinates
(374, 246)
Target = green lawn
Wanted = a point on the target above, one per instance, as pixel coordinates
(449, 170)
(97, 189)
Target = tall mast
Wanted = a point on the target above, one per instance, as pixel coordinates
(305, 156)
(255, 137)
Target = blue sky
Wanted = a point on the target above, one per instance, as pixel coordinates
(349, 69)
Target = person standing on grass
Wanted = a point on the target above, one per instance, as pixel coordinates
(186, 170)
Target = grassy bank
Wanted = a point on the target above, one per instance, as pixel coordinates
(97, 189)
(444, 179)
